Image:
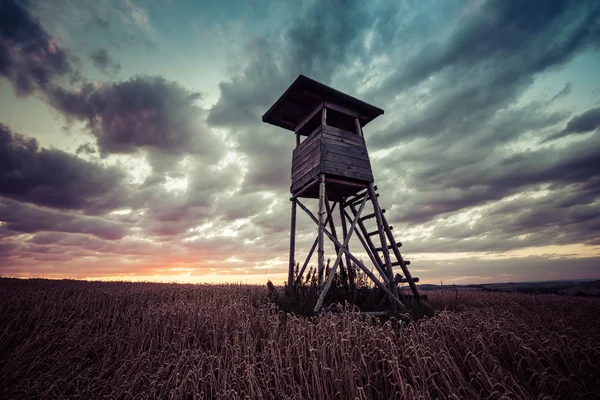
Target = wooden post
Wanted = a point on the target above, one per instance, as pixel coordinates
(290, 281)
(377, 282)
(339, 257)
(310, 253)
(321, 225)
(332, 225)
(382, 238)
(324, 116)
(367, 243)
(348, 263)
(359, 131)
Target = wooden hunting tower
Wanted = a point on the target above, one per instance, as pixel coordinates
(332, 164)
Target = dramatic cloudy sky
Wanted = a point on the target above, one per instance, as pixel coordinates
(132, 147)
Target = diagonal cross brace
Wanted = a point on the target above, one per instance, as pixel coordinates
(377, 282)
(339, 257)
(310, 253)
(369, 252)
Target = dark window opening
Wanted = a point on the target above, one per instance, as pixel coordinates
(340, 120)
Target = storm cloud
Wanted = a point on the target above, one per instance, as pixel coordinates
(30, 58)
(20, 218)
(104, 61)
(583, 123)
(54, 178)
(143, 112)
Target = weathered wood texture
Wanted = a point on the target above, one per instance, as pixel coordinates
(331, 151)
(292, 259)
(338, 260)
(369, 273)
(321, 227)
(305, 94)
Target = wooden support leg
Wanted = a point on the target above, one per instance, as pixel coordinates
(367, 243)
(350, 270)
(321, 226)
(339, 257)
(377, 282)
(290, 281)
(310, 253)
(334, 232)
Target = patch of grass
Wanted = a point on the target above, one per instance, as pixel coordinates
(351, 289)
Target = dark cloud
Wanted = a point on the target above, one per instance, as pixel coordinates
(101, 22)
(30, 57)
(468, 141)
(21, 218)
(314, 44)
(143, 112)
(502, 31)
(269, 154)
(86, 148)
(565, 91)
(54, 178)
(583, 123)
(92, 244)
(443, 187)
(243, 205)
(586, 122)
(529, 219)
(104, 61)
(486, 64)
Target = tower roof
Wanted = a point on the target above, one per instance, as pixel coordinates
(304, 95)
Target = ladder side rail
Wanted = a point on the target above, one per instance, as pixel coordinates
(371, 255)
(403, 266)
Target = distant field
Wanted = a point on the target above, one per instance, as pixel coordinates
(70, 339)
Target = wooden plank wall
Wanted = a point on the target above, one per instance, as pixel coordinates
(344, 154)
(332, 151)
(305, 160)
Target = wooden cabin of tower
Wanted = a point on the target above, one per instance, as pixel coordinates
(329, 139)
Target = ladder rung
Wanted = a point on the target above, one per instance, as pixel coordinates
(377, 231)
(356, 198)
(359, 200)
(399, 244)
(395, 264)
(369, 216)
(359, 196)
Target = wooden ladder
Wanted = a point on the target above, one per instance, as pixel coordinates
(380, 255)
(351, 209)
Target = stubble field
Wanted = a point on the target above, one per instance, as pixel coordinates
(91, 340)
